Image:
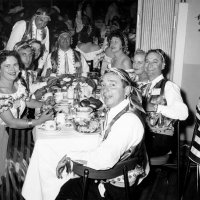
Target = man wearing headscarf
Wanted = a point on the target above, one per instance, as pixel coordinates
(36, 28)
(64, 59)
(123, 131)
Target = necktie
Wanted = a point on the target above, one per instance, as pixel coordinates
(66, 64)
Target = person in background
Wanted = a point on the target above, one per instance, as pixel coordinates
(28, 74)
(126, 132)
(119, 47)
(92, 53)
(13, 99)
(38, 50)
(81, 19)
(65, 60)
(36, 28)
(163, 105)
(140, 75)
(113, 11)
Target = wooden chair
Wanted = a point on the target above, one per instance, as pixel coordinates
(121, 168)
(165, 161)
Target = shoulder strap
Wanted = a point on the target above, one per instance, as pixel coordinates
(125, 110)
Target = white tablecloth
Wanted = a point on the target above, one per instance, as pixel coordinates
(41, 182)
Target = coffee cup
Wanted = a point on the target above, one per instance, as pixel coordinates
(58, 97)
(47, 95)
(49, 125)
(60, 119)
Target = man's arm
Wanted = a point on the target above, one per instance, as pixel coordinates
(126, 132)
(175, 108)
(16, 35)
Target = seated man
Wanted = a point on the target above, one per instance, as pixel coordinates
(164, 105)
(123, 129)
(65, 60)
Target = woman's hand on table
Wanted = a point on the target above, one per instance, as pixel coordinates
(64, 162)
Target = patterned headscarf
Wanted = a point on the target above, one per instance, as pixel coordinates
(135, 96)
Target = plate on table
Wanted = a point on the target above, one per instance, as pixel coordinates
(88, 127)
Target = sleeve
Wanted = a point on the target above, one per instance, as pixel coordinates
(175, 108)
(16, 35)
(126, 132)
(84, 65)
(43, 59)
(5, 103)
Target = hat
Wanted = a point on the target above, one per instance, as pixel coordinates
(43, 12)
(15, 10)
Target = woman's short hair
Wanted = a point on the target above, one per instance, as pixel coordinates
(122, 37)
(6, 53)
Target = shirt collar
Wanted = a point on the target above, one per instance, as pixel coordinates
(156, 80)
(64, 52)
(115, 110)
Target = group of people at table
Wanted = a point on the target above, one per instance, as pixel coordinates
(139, 100)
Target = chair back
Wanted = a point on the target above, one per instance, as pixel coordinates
(117, 170)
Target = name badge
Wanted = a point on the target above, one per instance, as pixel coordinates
(156, 91)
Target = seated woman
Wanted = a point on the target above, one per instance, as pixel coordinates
(139, 75)
(118, 45)
(13, 99)
(92, 53)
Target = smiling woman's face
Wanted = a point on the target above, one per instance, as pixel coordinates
(9, 68)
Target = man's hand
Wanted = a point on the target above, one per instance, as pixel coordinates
(64, 162)
(39, 93)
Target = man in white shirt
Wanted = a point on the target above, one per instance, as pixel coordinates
(65, 60)
(164, 105)
(123, 129)
(36, 28)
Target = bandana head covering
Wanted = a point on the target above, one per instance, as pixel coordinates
(135, 96)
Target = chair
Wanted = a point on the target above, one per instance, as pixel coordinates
(121, 168)
(165, 161)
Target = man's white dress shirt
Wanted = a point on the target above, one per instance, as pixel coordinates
(61, 68)
(126, 132)
(175, 108)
